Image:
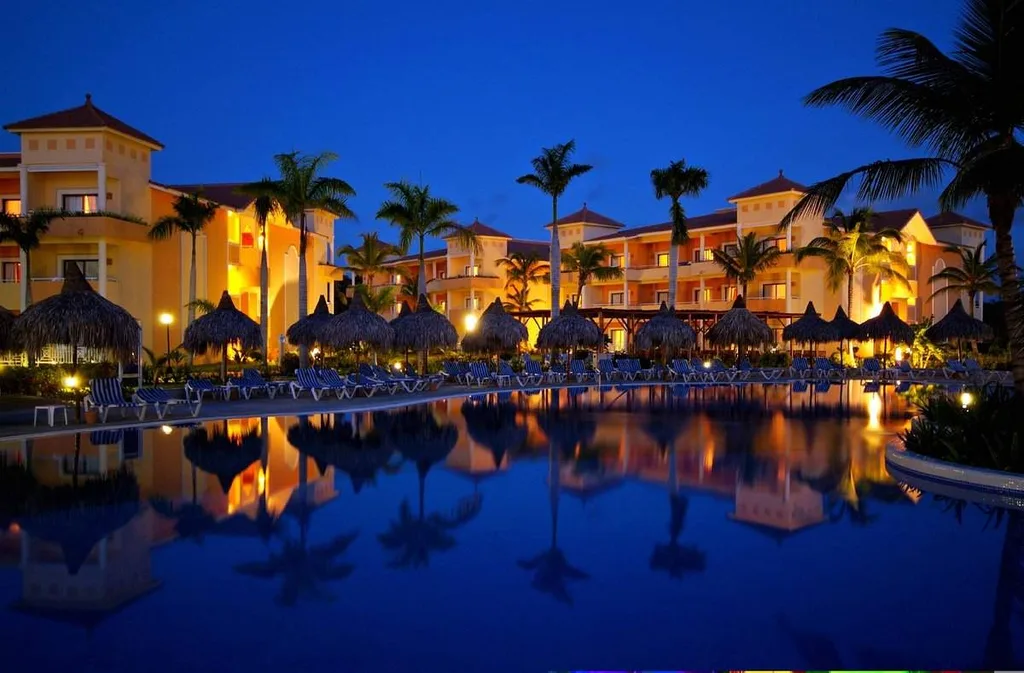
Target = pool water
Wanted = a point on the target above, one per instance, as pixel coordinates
(637, 527)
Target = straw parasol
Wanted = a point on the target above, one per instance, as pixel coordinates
(741, 327)
(405, 312)
(810, 328)
(846, 329)
(357, 325)
(8, 343)
(80, 318)
(570, 330)
(888, 327)
(306, 332)
(217, 453)
(665, 330)
(339, 444)
(493, 424)
(423, 330)
(496, 331)
(958, 325)
(221, 327)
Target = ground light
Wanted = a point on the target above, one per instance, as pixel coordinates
(71, 382)
(470, 322)
(966, 399)
(166, 429)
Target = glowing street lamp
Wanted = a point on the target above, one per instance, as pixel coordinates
(470, 322)
(166, 319)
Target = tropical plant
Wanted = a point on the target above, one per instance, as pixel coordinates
(26, 232)
(201, 306)
(963, 110)
(191, 215)
(409, 287)
(974, 276)
(378, 300)
(589, 262)
(924, 351)
(852, 245)
(521, 271)
(264, 206)
(299, 188)
(750, 257)
(418, 215)
(676, 181)
(553, 170)
(370, 258)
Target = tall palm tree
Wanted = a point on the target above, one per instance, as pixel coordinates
(26, 232)
(522, 270)
(751, 257)
(676, 181)
(963, 111)
(377, 300)
(418, 215)
(553, 170)
(264, 206)
(191, 215)
(370, 258)
(974, 276)
(589, 262)
(851, 245)
(300, 187)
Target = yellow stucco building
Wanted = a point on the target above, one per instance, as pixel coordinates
(99, 169)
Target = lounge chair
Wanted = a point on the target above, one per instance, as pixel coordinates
(306, 380)
(824, 368)
(479, 374)
(747, 372)
(681, 370)
(578, 370)
(523, 378)
(800, 368)
(406, 383)
(978, 373)
(197, 389)
(455, 371)
(628, 369)
(106, 394)
(252, 381)
(870, 367)
(161, 401)
(954, 369)
(606, 370)
(533, 368)
(720, 373)
(337, 383)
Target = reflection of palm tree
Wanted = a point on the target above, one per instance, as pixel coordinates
(191, 520)
(999, 645)
(305, 569)
(265, 524)
(673, 558)
(417, 435)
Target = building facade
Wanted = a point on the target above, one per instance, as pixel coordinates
(99, 170)
(464, 284)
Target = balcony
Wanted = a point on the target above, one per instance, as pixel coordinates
(109, 226)
(465, 283)
(654, 274)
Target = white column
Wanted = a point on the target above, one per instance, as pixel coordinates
(102, 263)
(701, 247)
(700, 295)
(789, 290)
(23, 194)
(789, 238)
(625, 275)
(101, 186)
(25, 280)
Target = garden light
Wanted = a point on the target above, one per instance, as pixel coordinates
(71, 382)
(966, 399)
(166, 429)
(470, 322)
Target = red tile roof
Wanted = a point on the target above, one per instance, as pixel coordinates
(952, 219)
(891, 219)
(84, 116)
(224, 193)
(481, 229)
(427, 254)
(777, 185)
(10, 159)
(587, 216)
(539, 248)
(718, 219)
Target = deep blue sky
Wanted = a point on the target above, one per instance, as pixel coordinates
(465, 93)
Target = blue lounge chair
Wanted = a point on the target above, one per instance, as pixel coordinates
(251, 382)
(197, 389)
(578, 370)
(406, 383)
(523, 378)
(479, 374)
(161, 401)
(106, 394)
(337, 383)
(681, 369)
(800, 368)
(607, 371)
(720, 373)
(533, 368)
(306, 380)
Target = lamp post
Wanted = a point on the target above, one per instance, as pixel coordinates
(166, 319)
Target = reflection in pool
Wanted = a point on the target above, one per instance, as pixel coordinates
(743, 526)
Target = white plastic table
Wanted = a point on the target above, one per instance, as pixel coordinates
(51, 411)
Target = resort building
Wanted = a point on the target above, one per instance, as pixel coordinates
(463, 282)
(98, 169)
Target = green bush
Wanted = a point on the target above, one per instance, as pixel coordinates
(48, 380)
(289, 363)
(769, 359)
(983, 432)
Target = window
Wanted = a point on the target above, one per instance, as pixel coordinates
(730, 249)
(248, 240)
(698, 294)
(615, 298)
(472, 303)
(729, 292)
(661, 296)
(10, 272)
(442, 274)
(702, 255)
(80, 203)
(773, 291)
(617, 261)
(778, 243)
(11, 206)
(90, 268)
(662, 259)
(396, 279)
(473, 270)
(618, 339)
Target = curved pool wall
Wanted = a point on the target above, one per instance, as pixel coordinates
(1006, 488)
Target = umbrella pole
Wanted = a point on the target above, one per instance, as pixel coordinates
(224, 364)
(78, 402)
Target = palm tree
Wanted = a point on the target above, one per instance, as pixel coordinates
(589, 262)
(963, 111)
(522, 270)
(264, 206)
(553, 170)
(751, 257)
(852, 245)
(676, 181)
(410, 288)
(26, 232)
(975, 275)
(370, 258)
(419, 215)
(191, 215)
(301, 187)
(377, 300)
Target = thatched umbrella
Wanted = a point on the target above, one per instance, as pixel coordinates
(846, 329)
(493, 423)
(220, 328)
(666, 331)
(340, 445)
(888, 327)
(357, 325)
(570, 330)
(810, 328)
(217, 453)
(306, 332)
(496, 331)
(8, 343)
(403, 313)
(80, 318)
(741, 327)
(958, 325)
(423, 330)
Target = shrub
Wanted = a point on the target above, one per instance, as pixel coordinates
(289, 363)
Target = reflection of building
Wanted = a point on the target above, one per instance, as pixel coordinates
(781, 508)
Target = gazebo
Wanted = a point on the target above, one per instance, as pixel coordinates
(222, 327)
(496, 331)
(888, 327)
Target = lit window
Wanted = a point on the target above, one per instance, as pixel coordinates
(472, 303)
(702, 255)
(472, 270)
(662, 259)
(10, 272)
(90, 268)
(773, 291)
(396, 279)
(618, 339)
(248, 240)
(617, 261)
(80, 203)
(699, 295)
(615, 298)
(729, 292)
(11, 206)
(911, 257)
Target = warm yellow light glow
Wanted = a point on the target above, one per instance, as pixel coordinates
(166, 429)
(261, 481)
(899, 354)
(261, 240)
(70, 381)
(874, 412)
(707, 364)
(397, 366)
(166, 318)
(470, 322)
(966, 399)
(315, 352)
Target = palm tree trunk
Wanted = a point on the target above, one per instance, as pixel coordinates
(1001, 210)
(673, 273)
(264, 305)
(849, 295)
(556, 261)
(303, 290)
(421, 282)
(743, 286)
(192, 292)
(580, 284)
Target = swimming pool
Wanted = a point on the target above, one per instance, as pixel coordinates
(647, 527)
